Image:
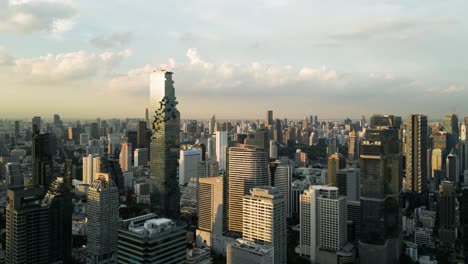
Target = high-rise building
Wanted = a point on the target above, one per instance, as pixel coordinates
(17, 128)
(352, 146)
(188, 165)
(447, 213)
(210, 213)
(211, 125)
(125, 158)
(84, 139)
(437, 160)
(147, 117)
(463, 132)
(416, 153)
(323, 223)
(27, 226)
(103, 216)
(58, 200)
(13, 174)
(278, 131)
(95, 130)
(245, 251)
(164, 146)
(42, 167)
(269, 118)
(273, 149)
(149, 239)
(380, 180)
(451, 127)
(336, 162)
(141, 135)
(347, 181)
(452, 167)
(221, 148)
(36, 124)
(264, 220)
(141, 157)
(247, 168)
(281, 178)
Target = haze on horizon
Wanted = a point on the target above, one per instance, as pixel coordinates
(88, 59)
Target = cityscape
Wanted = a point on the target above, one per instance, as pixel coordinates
(129, 168)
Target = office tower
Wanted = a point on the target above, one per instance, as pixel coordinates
(141, 157)
(13, 174)
(58, 199)
(447, 213)
(273, 149)
(36, 124)
(188, 165)
(94, 130)
(269, 118)
(147, 118)
(463, 132)
(352, 146)
(323, 223)
(451, 127)
(437, 159)
(244, 251)
(221, 146)
(103, 217)
(150, 239)
(453, 167)
(42, 167)
(278, 131)
(17, 128)
(247, 168)
(211, 125)
(84, 139)
(125, 157)
(416, 153)
(91, 166)
(336, 162)
(141, 134)
(164, 147)
(260, 139)
(380, 180)
(264, 220)
(27, 226)
(210, 213)
(347, 181)
(114, 144)
(281, 178)
(463, 157)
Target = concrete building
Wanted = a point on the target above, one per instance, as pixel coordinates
(452, 167)
(416, 153)
(221, 148)
(103, 216)
(188, 165)
(323, 222)
(210, 213)
(347, 181)
(199, 256)
(84, 139)
(247, 168)
(13, 174)
(140, 156)
(264, 220)
(281, 178)
(149, 239)
(125, 158)
(244, 251)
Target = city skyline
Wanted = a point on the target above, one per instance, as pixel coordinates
(364, 60)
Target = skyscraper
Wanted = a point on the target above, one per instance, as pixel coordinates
(147, 117)
(27, 237)
(447, 213)
(269, 118)
(381, 168)
(264, 220)
(451, 127)
(42, 160)
(141, 135)
(103, 216)
(165, 144)
(247, 168)
(36, 124)
(210, 213)
(416, 153)
(323, 222)
(211, 125)
(17, 128)
(352, 146)
(221, 148)
(125, 158)
(281, 178)
(336, 162)
(453, 167)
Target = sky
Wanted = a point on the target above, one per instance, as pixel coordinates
(235, 59)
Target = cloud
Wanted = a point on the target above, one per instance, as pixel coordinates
(72, 66)
(5, 58)
(112, 40)
(28, 16)
(448, 90)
